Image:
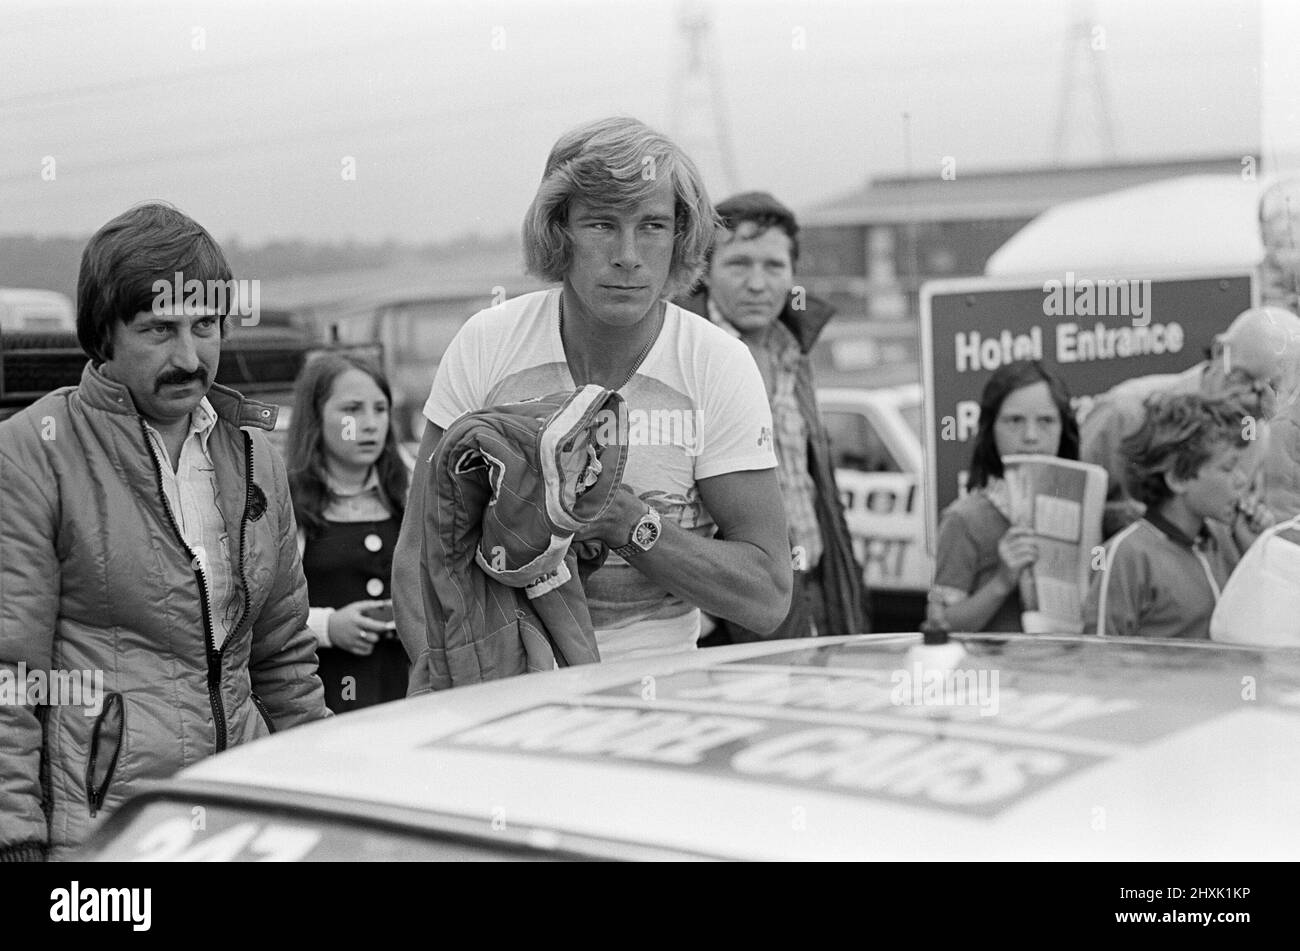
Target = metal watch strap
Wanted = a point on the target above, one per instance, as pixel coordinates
(631, 548)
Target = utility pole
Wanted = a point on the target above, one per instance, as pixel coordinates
(698, 117)
(1085, 51)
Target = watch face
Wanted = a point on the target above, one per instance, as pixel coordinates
(645, 534)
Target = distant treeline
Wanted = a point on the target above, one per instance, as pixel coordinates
(52, 263)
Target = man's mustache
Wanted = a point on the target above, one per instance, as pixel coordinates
(176, 377)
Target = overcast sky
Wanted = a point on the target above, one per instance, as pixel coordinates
(244, 115)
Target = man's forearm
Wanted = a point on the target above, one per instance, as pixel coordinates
(730, 579)
(283, 673)
(408, 598)
(407, 584)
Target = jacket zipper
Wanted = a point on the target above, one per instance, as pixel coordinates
(43, 772)
(261, 708)
(95, 797)
(243, 580)
(243, 524)
(1209, 574)
(214, 655)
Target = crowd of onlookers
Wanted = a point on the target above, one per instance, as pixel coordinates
(1194, 474)
(151, 533)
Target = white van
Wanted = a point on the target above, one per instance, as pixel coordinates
(36, 311)
(875, 439)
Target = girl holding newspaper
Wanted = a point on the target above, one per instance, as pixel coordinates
(1024, 410)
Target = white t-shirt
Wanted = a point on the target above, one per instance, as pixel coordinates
(696, 408)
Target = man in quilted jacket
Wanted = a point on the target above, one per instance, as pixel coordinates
(148, 556)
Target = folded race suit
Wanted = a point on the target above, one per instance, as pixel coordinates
(508, 488)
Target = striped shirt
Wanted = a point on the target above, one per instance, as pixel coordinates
(777, 353)
(191, 493)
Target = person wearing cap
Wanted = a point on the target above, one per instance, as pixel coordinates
(1258, 352)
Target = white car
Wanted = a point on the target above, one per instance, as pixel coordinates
(23, 310)
(876, 440)
(841, 748)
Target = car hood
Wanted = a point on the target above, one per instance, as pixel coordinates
(843, 748)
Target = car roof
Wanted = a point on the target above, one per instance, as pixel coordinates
(829, 749)
(23, 308)
(844, 326)
(903, 394)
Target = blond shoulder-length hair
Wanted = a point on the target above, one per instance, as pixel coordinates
(618, 162)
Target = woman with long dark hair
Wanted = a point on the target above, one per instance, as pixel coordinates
(1023, 409)
(349, 487)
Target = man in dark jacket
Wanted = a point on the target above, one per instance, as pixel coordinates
(148, 558)
(748, 289)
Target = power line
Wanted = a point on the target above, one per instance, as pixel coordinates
(66, 96)
(699, 109)
(352, 128)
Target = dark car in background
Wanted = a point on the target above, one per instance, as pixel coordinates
(261, 362)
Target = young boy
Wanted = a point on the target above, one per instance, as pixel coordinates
(1191, 463)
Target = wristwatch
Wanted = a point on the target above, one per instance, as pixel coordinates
(644, 534)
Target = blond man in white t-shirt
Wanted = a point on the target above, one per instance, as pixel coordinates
(622, 219)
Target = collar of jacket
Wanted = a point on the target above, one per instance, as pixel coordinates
(99, 391)
(806, 324)
(1176, 534)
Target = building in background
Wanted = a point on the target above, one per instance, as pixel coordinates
(869, 251)
(413, 309)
